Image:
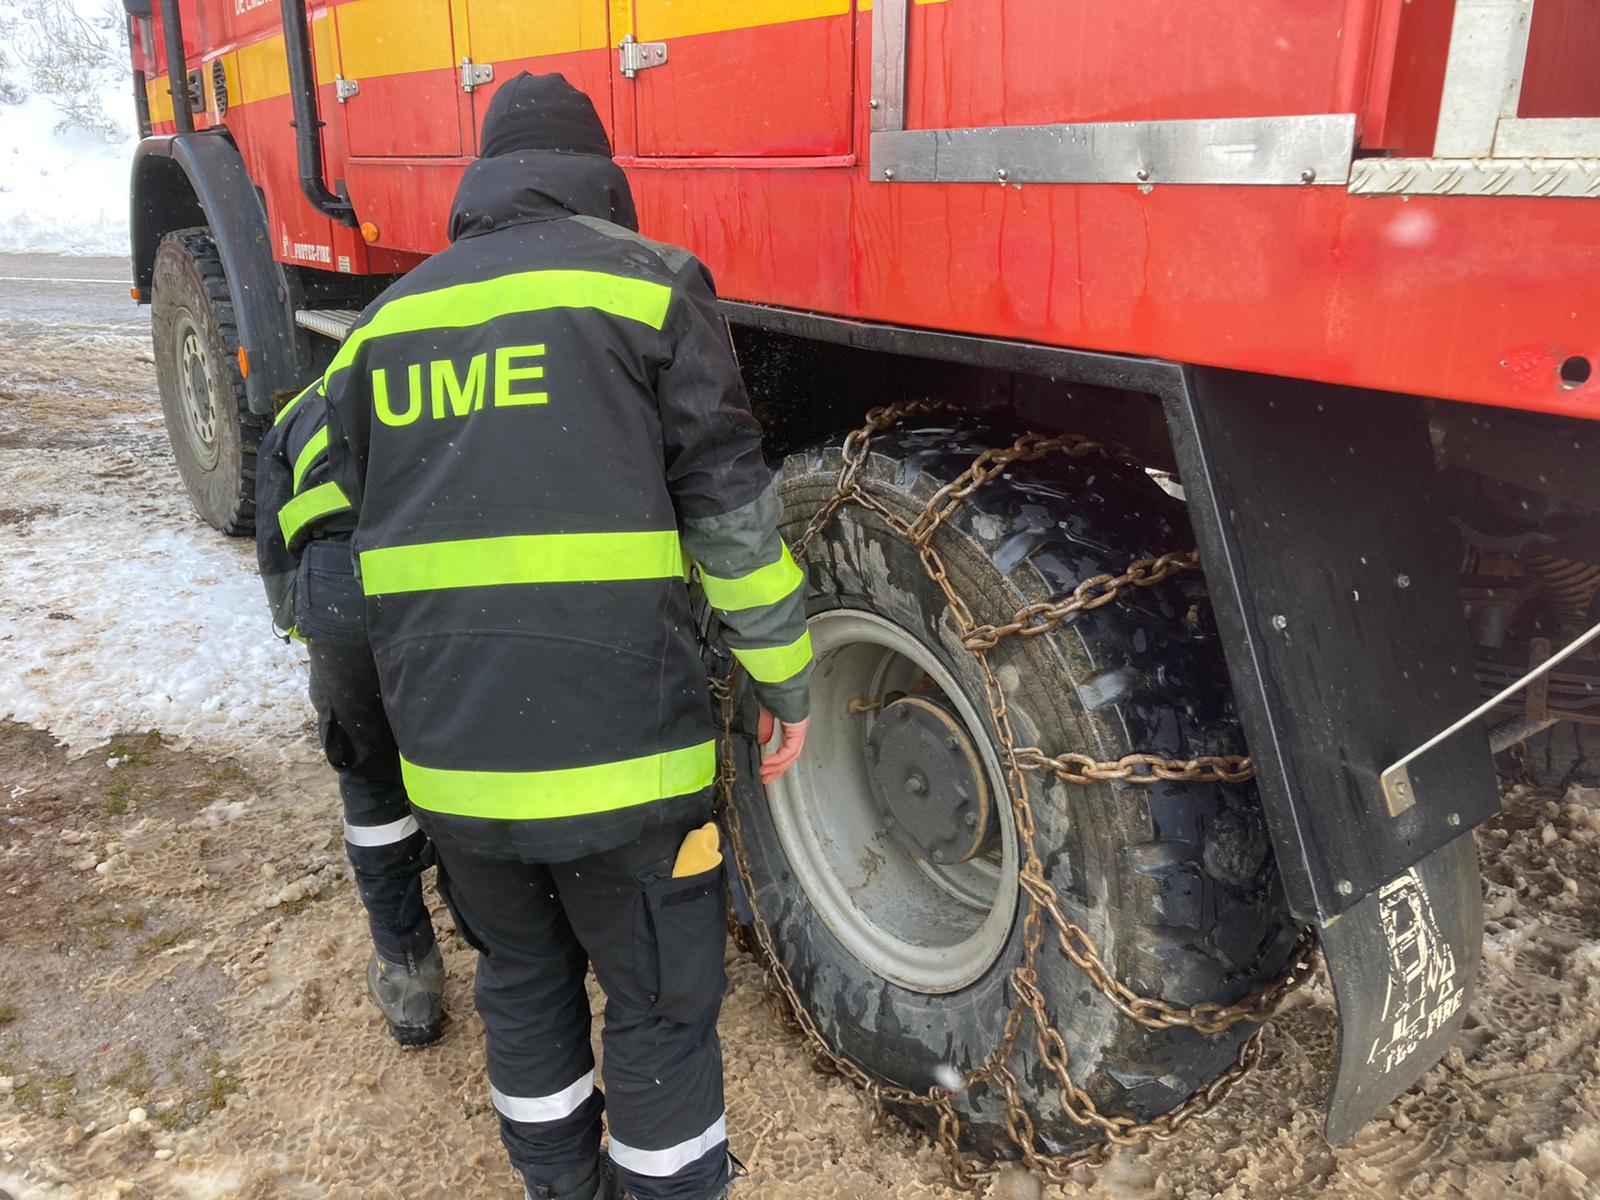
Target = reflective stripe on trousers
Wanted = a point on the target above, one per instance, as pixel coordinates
(669, 1161)
(381, 835)
(541, 1110)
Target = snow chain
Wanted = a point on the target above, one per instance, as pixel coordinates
(1029, 1006)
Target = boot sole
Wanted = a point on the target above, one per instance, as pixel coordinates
(415, 1037)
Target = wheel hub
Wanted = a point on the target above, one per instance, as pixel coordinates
(928, 782)
(195, 386)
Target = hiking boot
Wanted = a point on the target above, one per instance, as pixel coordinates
(410, 995)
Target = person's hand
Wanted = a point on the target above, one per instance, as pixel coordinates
(794, 740)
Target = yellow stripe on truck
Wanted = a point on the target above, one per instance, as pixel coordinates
(388, 37)
(263, 70)
(379, 38)
(257, 70)
(661, 20)
(500, 30)
(155, 91)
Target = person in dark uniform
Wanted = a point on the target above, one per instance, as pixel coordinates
(538, 430)
(303, 528)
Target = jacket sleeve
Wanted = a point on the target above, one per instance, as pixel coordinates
(276, 564)
(295, 497)
(727, 510)
(347, 409)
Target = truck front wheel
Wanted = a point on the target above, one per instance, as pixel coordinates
(213, 433)
(886, 861)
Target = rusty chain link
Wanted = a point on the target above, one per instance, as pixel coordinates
(1030, 1005)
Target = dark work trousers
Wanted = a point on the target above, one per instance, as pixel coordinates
(656, 944)
(388, 851)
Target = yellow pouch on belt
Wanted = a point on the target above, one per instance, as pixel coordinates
(699, 852)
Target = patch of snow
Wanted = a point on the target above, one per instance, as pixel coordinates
(123, 612)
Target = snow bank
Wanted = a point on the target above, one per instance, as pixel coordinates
(63, 193)
(124, 613)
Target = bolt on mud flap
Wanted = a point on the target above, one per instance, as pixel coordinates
(1332, 568)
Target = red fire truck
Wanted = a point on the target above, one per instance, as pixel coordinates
(1328, 272)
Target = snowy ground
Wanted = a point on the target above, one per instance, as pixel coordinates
(183, 1015)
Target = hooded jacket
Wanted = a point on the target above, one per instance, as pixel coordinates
(537, 430)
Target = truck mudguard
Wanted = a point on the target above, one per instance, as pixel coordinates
(1332, 567)
(224, 199)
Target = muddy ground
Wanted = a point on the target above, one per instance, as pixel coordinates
(183, 1012)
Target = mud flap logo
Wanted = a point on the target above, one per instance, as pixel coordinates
(1424, 989)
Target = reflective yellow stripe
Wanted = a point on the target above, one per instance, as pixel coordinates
(321, 500)
(529, 558)
(778, 663)
(469, 304)
(308, 455)
(568, 792)
(283, 413)
(763, 586)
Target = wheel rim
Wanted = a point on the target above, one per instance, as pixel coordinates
(928, 928)
(197, 391)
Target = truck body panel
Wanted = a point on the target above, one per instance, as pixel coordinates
(1468, 297)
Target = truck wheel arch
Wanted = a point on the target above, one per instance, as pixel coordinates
(195, 179)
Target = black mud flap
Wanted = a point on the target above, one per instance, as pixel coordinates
(1403, 963)
(1333, 571)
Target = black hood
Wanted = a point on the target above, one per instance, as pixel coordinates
(545, 155)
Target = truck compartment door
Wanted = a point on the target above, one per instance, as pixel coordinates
(571, 38)
(399, 83)
(741, 78)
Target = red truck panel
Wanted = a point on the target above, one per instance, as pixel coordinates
(750, 146)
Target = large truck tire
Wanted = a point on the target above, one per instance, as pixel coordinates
(214, 434)
(904, 962)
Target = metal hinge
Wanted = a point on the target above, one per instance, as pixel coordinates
(344, 88)
(475, 74)
(635, 56)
